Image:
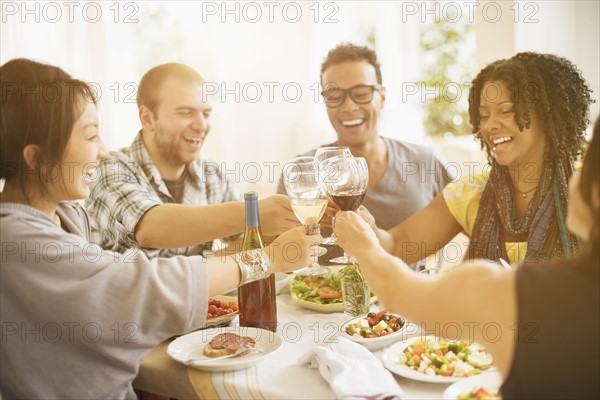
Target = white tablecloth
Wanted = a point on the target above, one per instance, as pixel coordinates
(280, 376)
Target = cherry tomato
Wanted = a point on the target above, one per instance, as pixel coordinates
(217, 308)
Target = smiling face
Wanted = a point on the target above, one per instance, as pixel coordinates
(83, 151)
(500, 131)
(355, 124)
(176, 131)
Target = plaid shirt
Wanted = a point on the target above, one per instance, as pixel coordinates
(129, 184)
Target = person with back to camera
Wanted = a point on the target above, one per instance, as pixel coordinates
(530, 113)
(54, 283)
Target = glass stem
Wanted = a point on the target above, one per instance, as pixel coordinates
(333, 237)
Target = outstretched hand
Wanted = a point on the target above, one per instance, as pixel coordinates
(367, 217)
(354, 234)
(293, 249)
(276, 215)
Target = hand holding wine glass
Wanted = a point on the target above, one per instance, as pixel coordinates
(302, 181)
(346, 181)
(322, 154)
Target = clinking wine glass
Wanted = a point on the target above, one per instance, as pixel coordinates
(346, 181)
(302, 180)
(322, 154)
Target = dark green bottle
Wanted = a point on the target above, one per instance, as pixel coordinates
(257, 300)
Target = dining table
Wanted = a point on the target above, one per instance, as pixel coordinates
(278, 376)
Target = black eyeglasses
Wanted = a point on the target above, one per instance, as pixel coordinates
(360, 94)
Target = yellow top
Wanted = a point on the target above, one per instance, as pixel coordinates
(462, 198)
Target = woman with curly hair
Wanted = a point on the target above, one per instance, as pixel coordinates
(530, 113)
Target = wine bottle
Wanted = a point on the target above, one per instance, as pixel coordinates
(256, 300)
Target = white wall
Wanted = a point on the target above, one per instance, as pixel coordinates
(564, 27)
(567, 28)
(114, 53)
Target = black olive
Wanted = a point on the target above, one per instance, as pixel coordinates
(386, 317)
(371, 315)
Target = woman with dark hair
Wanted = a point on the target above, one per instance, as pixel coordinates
(544, 318)
(530, 113)
(77, 320)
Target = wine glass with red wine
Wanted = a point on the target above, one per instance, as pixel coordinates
(346, 181)
(322, 154)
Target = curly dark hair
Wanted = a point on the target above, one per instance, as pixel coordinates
(549, 86)
(350, 52)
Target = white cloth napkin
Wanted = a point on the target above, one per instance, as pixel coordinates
(352, 371)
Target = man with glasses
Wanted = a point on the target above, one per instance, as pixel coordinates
(403, 177)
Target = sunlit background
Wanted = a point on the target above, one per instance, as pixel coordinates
(263, 58)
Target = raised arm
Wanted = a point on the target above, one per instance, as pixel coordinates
(223, 271)
(126, 210)
(424, 233)
(420, 235)
(177, 225)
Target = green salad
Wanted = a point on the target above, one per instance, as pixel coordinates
(321, 289)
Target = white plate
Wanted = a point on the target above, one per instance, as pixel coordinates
(392, 354)
(193, 343)
(490, 382)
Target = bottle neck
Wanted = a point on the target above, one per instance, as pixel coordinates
(252, 220)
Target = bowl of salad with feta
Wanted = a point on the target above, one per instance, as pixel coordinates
(374, 330)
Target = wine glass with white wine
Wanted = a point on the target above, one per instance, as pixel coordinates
(301, 176)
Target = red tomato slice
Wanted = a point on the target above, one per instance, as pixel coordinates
(481, 392)
(327, 292)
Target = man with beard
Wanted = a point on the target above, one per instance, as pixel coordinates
(159, 194)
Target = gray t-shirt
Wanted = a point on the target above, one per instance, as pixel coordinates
(76, 319)
(413, 178)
